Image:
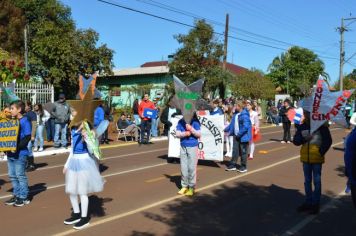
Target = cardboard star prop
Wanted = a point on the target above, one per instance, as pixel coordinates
(186, 97)
(324, 105)
(85, 84)
(8, 93)
(84, 108)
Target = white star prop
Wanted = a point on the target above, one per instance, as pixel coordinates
(324, 105)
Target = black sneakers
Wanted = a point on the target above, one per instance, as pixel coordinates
(84, 222)
(75, 218)
(11, 201)
(21, 202)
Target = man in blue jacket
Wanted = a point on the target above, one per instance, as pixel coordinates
(350, 160)
(240, 127)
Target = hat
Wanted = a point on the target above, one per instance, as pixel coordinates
(353, 119)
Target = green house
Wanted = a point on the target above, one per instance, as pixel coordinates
(125, 85)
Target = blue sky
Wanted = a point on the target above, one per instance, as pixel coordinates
(137, 38)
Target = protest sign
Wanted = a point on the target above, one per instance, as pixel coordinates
(8, 134)
(211, 143)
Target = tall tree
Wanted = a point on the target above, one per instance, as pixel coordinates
(349, 83)
(296, 71)
(253, 84)
(12, 24)
(200, 57)
(57, 50)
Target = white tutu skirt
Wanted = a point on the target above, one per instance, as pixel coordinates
(83, 176)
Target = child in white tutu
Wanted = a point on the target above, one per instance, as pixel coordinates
(82, 177)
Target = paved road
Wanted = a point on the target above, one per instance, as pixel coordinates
(140, 196)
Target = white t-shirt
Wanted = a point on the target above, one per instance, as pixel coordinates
(254, 119)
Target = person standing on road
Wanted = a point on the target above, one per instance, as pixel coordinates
(135, 112)
(145, 121)
(350, 159)
(167, 114)
(17, 159)
(285, 121)
(189, 135)
(61, 113)
(32, 117)
(228, 139)
(312, 155)
(255, 127)
(82, 177)
(241, 128)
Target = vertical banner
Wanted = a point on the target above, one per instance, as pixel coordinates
(211, 143)
(8, 134)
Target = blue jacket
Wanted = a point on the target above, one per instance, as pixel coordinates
(99, 115)
(218, 111)
(350, 156)
(245, 126)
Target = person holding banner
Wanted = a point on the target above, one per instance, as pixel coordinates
(312, 155)
(189, 135)
(254, 117)
(16, 160)
(241, 128)
(145, 120)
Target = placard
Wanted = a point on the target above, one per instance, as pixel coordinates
(8, 134)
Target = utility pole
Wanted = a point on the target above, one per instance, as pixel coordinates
(225, 41)
(342, 29)
(26, 49)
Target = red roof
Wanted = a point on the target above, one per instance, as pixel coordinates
(235, 69)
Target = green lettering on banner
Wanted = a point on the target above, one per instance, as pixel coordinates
(188, 95)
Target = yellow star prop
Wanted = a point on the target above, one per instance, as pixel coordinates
(84, 108)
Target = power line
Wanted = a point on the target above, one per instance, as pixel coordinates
(192, 26)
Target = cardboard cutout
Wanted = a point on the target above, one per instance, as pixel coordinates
(85, 84)
(324, 105)
(84, 108)
(186, 97)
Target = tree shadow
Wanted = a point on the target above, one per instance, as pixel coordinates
(96, 206)
(231, 210)
(40, 165)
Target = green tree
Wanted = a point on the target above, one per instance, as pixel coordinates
(57, 50)
(349, 83)
(12, 24)
(200, 57)
(296, 71)
(253, 84)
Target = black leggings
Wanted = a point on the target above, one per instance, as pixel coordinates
(286, 131)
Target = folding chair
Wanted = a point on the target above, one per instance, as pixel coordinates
(121, 132)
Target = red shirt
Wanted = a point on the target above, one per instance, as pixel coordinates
(143, 105)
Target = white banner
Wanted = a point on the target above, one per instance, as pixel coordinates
(211, 143)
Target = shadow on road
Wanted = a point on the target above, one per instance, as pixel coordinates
(36, 189)
(40, 165)
(341, 171)
(103, 168)
(244, 209)
(96, 206)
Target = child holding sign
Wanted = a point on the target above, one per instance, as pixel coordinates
(16, 160)
(189, 135)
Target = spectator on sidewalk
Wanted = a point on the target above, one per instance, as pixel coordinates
(145, 121)
(285, 121)
(312, 155)
(32, 117)
(61, 113)
(154, 127)
(241, 128)
(99, 116)
(135, 112)
(42, 117)
(125, 124)
(108, 117)
(167, 114)
(50, 129)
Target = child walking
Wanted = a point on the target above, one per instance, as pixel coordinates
(82, 177)
(255, 127)
(17, 159)
(189, 135)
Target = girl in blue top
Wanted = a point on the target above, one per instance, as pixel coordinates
(82, 177)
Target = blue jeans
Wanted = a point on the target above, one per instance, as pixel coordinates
(39, 136)
(50, 129)
(60, 128)
(154, 128)
(312, 172)
(29, 147)
(137, 119)
(17, 175)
